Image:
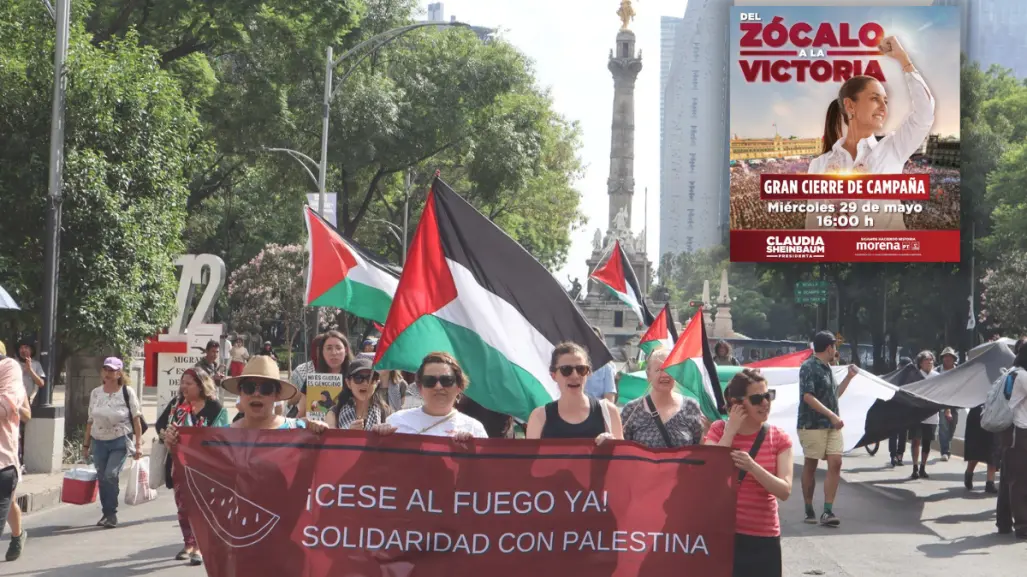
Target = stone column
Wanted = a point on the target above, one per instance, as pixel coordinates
(625, 64)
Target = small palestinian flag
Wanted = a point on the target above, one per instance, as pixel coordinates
(660, 334)
(470, 290)
(691, 365)
(345, 276)
(618, 276)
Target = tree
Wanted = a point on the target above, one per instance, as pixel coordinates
(130, 145)
(1002, 298)
(269, 289)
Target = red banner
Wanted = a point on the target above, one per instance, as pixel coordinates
(292, 503)
(861, 187)
(844, 246)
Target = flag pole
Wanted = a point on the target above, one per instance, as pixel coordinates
(645, 257)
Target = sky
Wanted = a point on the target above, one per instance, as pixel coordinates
(929, 35)
(569, 42)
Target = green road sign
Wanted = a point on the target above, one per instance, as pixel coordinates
(812, 292)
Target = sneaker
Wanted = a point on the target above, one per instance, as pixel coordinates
(110, 522)
(182, 555)
(829, 520)
(102, 521)
(898, 461)
(945, 457)
(17, 545)
(195, 558)
(811, 518)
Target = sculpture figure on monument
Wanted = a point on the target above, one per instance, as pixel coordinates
(626, 13)
(597, 240)
(640, 243)
(620, 221)
(575, 291)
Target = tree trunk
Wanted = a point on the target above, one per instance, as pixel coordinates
(83, 375)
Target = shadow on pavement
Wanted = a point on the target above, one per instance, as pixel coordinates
(61, 530)
(141, 562)
(975, 545)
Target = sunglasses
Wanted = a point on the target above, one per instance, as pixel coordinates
(266, 388)
(429, 381)
(758, 399)
(582, 370)
(361, 378)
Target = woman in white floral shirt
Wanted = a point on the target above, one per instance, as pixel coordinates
(112, 425)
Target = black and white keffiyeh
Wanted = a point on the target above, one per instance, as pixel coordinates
(348, 414)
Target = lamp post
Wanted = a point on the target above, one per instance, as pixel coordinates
(362, 51)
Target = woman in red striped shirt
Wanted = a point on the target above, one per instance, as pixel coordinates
(767, 476)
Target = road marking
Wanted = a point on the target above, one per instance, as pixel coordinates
(883, 492)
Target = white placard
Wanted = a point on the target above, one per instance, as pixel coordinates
(170, 367)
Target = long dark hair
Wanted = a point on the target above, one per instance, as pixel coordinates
(321, 365)
(346, 397)
(835, 119)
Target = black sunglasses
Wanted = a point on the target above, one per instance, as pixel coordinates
(758, 399)
(582, 370)
(266, 388)
(361, 378)
(429, 381)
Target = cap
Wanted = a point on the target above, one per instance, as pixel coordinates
(822, 340)
(113, 363)
(949, 351)
(359, 364)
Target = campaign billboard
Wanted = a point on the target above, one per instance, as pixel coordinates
(844, 134)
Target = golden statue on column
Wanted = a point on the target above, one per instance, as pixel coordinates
(626, 13)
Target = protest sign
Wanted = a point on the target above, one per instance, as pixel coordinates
(322, 391)
(349, 503)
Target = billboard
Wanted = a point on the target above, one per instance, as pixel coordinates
(844, 134)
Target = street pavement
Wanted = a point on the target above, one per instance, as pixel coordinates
(890, 526)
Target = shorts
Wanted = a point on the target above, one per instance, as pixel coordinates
(923, 432)
(757, 556)
(819, 443)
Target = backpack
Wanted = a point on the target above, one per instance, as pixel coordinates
(997, 416)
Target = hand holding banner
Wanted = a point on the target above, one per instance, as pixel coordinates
(346, 503)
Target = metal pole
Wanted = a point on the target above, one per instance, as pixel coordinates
(325, 107)
(645, 258)
(48, 347)
(406, 214)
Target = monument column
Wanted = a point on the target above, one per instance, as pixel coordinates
(624, 64)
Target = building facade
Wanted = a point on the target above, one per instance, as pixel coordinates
(668, 34)
(777, 147)
(694, 149)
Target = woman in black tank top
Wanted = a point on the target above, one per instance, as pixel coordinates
(574, 415)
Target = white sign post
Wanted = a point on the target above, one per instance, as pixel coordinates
(330, 214)
(197, 270)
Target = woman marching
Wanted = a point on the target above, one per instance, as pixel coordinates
(853, 119)
(358, 407)
(763, 454)
(112, 425)
(196, 406)
(664, 417)
(574, 415)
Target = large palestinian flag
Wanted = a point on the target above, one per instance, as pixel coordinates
(691, 365)
(470, 290)
(343, 275)
(618, 276)
(661, 333)
(787, 360)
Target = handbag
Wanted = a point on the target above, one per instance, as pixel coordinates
(659, 422)
(755, 449)
(143, 427)
(158, 459)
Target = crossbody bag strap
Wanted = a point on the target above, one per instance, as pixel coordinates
(437, 423)
(128, 405)
(606, 416)
(755, 449)
(659, 422)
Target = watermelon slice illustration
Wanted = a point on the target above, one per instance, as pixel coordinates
(237, 521)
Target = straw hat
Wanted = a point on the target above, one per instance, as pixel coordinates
(261, 367)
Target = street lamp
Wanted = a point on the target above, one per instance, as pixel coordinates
(299, 157)
(363, 50)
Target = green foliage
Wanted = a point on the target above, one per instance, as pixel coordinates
(1003, 294)
(130, 145)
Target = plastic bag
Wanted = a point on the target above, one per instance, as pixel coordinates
(139, 490)
(158, 457)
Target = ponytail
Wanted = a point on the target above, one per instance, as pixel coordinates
(832, 126)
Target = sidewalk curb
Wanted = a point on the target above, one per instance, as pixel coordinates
(50, 496)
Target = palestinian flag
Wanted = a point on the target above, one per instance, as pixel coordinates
(789, 360)
(691, 365)
(661, 333)
(345, 276)
(472, 291)
(618, 276)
